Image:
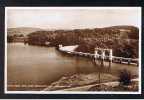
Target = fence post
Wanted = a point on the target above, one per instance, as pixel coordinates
(129, 61)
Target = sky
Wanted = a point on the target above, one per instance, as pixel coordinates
(71, 18)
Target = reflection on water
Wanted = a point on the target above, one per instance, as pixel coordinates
(43, 65)
(40, 65)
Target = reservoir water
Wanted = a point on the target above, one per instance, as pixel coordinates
(42, 65)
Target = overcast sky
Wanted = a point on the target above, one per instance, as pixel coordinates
(72, 18)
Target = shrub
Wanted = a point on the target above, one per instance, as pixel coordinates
(125, 77)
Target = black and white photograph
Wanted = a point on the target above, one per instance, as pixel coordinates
(66, 50)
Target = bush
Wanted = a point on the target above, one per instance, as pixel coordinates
(125, 77)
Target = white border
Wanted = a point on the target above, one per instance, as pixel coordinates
(70, 92)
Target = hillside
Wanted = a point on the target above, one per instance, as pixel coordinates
(21, 30)
(131, 30)
(122, 39)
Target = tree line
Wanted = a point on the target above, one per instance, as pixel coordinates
(123, 39)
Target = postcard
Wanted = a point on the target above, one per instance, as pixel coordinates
(73, 50)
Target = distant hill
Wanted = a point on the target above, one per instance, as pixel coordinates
(22, 30)
(123, 27)
(130, 31)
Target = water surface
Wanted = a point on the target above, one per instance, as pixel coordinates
(43, 65)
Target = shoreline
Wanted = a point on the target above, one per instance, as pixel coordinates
(64, 85)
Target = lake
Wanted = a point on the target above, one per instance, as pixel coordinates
(43, 65)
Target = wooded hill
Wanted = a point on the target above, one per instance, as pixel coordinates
(122, 39)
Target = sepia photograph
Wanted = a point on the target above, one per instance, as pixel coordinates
(73, 50)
